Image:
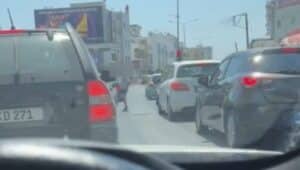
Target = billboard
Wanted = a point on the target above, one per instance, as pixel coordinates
(88, 21)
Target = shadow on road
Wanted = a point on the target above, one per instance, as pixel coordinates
(181, 118)
(215, 137)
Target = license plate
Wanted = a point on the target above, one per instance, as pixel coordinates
(21, 115)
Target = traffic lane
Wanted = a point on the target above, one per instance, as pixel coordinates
(143, 125)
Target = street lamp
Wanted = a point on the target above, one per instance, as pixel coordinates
(178, 52)
(245, 15)
(184, 29)
(184, 24)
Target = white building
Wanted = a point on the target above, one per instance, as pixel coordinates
(282, 18)
(162, 50)
(199, 52)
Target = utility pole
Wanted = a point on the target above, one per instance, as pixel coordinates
(178, 52)
(247, 30)
(236, 46)
(246, 19)
(184, 35)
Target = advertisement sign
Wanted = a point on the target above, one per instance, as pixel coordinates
(87, 22)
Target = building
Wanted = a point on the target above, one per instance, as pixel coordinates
(161, 50)
(198, 53)
(105, 32)
(135, 31)
(282, 18)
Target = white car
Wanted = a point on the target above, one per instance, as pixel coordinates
(177, 92)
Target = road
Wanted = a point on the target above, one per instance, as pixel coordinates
(143, 125)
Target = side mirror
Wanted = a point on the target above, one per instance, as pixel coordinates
(203, 80)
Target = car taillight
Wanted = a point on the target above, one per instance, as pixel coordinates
(290, 50)
(179, 86)
(101, 107)
(7, 32)
(249, 82)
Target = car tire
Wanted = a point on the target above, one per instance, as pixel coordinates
(232, 132)
(200, 127)
(170, 114)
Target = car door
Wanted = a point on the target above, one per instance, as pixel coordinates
(163, 89)
(214, 97)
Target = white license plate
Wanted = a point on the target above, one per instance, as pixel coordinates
(21, 115)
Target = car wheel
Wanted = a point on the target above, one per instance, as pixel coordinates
(198, 121)
(170, 114)
(232, 132)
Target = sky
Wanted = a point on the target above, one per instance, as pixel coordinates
(213, 25)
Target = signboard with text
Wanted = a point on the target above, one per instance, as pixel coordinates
(88, 22)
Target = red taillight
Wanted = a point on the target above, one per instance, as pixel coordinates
(290, 50)
(179, 86)
(4, 32)
(96, 88)
(101, 113)
(101, 107)
(249, 81)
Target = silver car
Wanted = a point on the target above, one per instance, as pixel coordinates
(177, 92)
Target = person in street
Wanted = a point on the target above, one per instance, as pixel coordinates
(124, 85)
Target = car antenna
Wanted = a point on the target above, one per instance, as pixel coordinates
(11, 20)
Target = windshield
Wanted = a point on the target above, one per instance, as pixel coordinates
(151, 72)
(196, 70)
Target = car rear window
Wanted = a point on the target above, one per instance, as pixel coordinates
(196, 70)
(36, 58)
(276, 63)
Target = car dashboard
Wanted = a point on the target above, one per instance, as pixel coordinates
(54, 154)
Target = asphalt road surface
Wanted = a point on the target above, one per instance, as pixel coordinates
(142, 125)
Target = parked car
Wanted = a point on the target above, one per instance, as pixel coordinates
(251, 95)
(177, 92)
(50, 87)
(151, 89)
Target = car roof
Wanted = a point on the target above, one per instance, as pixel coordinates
(255, 51)
(182, 63)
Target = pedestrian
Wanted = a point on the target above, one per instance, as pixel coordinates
(124, 85)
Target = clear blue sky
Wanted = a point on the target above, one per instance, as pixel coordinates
(153, 15)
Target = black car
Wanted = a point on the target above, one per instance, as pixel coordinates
(252, 95)
(50, 87)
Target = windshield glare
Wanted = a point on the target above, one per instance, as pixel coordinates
(127, 72)
(277, 63)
